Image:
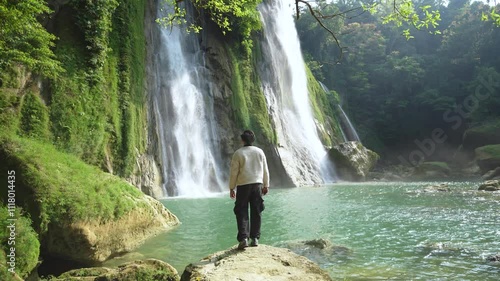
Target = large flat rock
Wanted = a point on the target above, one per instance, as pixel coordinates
(255, 264)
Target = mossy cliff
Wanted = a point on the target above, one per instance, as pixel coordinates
(82, 220)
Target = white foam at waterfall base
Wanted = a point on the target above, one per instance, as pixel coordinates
(185, 122)
(285, 86)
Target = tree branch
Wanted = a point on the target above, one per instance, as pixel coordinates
(318, 19)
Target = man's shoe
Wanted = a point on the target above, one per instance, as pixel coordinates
(254, 243)
(243, 244)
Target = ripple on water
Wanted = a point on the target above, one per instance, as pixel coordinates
(393, 231)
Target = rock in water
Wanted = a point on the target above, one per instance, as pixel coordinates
(437, 188)
(352, 160)
(492, 185)
(262, 263)
(150, 269)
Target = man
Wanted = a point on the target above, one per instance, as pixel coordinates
(250, 177)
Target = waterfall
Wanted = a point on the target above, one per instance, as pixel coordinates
(183, 110)
(345, 121)
(347, 126)
(284, 82)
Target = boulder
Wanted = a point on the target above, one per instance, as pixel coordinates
(432, 170)
(255, 263)
(352, 160)
(485, 134)
(492, 174)
(491, 185)
(141, 270)
(488, 157)
(80, 213)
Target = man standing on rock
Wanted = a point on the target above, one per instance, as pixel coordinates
(250, 176)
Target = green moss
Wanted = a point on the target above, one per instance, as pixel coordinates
(248, 100)
(433, 166)
(103, 118)
(27, 246)
(488, 151)
(9, 110)
(34, 121)
(323, 104)
(55, 187)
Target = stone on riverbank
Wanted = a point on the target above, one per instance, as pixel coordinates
(492, 174)
(491, 185)
(255, 263)
(79, 212)
(352, 160)
(488, 157)
(141, 270)
(432, 170)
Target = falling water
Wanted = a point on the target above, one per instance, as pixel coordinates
(185, 120)
(285, 86)
(345, 122)
(351, 133)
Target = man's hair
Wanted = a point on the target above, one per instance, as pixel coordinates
(248, 137)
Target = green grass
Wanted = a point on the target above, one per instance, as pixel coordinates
(56, 187)
(26, 244)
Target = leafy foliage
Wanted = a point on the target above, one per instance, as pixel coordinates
(238, 17)
(23, 40)
(397, 91)
(27, 244)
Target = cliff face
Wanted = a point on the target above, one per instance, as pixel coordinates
(238, 100)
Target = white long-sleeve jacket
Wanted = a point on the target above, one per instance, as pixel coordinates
(248, 165)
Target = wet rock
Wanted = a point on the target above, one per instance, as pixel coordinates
(432, 170)
(491, 185)
(352, 160)
(488, 157)
(485, 134)
(147, 176)
(437, 188)
(492, 174)
(150, 269)
(495, 258)
(255, 263)
(319, 243)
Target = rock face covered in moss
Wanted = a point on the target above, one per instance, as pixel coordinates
(431, 170)
(142, 270)
(255, 263)
(486, 134)
(488, 157)
(352, 160)
(80, 213)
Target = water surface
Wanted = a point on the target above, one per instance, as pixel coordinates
(393, 230)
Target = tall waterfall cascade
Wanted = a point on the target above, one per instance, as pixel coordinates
(284, 82)
(183, 110)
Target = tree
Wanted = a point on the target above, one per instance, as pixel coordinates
(24, 40)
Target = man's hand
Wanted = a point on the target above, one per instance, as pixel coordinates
(232, 194)
(265, 189)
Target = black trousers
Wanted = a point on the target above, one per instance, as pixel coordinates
(245, 195)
